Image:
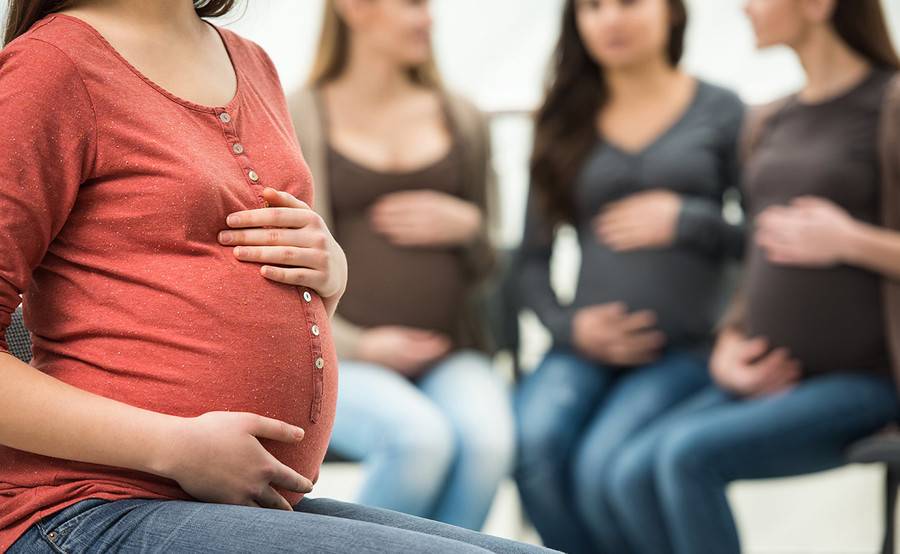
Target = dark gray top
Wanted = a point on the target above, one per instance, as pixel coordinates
(697, 157)
(831, 319)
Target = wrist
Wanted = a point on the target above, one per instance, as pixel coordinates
(853, 242)
(163, 450)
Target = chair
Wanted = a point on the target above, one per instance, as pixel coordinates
(882, 448)
(18, 338)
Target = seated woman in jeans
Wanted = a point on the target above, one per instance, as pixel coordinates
(802, 366)
(402, 172)
(637, 155)
(154, 209)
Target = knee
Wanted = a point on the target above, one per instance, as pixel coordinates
(427, 440)
(591, 477)
(632, 477)
(683, 455)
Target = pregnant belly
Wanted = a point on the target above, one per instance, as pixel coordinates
(829, 319)
(233, 342)
(683, 289)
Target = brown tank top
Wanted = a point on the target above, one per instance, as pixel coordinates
(394, 285)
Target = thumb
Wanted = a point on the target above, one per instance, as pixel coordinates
(282, 199)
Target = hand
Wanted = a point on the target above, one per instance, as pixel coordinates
(216, 457)
(609, 334)
(425, 218)
(811, 232)
(640, 221)
(404, 349)
(741, 366)
(289, 233)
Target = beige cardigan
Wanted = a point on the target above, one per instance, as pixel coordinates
(889, 149)
(480, 188)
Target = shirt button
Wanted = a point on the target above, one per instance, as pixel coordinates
(253, 176)
(320, 363)
(224, 117)
(238, 148)
(307, 296)
(315, 330)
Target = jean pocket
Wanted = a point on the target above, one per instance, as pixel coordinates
(57, 527)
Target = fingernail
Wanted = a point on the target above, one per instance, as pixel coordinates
(232, 219)
(238, 251)
(299, 433)
(225, 237)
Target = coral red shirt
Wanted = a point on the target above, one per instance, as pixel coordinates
(112, 195)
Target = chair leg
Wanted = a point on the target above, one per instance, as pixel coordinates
(891, 482)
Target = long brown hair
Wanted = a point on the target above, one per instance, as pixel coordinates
(22, 14)
(565, 129)
(862, 25)
(334, 52)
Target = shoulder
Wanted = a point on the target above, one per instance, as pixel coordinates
(469, 119)
(249, 55)
(45, 67)
(721, 97)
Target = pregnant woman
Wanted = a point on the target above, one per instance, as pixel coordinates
(802, 367)
(154, 211)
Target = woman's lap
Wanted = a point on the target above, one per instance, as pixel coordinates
(316, 525)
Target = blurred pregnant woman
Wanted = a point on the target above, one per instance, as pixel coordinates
(402, 170)
(637, 155)
(803, 364)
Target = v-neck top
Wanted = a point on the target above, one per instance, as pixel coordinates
(684, 284)
(419, 287)
(112, 195)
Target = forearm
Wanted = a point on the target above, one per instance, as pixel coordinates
(874, 248)
(43, 415)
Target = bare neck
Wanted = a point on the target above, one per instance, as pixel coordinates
(372, 77)
(830, 65)
(645, 80)
(172, 17)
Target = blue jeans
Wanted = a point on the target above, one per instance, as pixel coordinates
(436, 448)
(316, 525)
(669, 484)
(574, 417)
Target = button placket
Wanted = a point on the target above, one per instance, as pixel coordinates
(316, 356)
(238, 149)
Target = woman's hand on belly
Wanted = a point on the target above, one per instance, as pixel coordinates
(404, 349)
(746, 367)
(640, 221)
(289, 233)
(608, 333)
(426, 218)
(811, 232)
(216, 457)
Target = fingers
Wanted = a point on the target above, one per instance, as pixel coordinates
(274, 429)
(639, 321)
(775, 372)
(283, 255)
(751, 350)
(273, 217)
(272, 237)
(281, 198)
(269, 498)
(301, 276)
(288, 479)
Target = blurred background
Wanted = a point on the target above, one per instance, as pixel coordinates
(496, 52)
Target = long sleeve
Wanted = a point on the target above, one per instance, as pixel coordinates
(534, 286)
(701, 223)
(49, 145)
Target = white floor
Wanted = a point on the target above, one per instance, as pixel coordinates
(836, 512)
